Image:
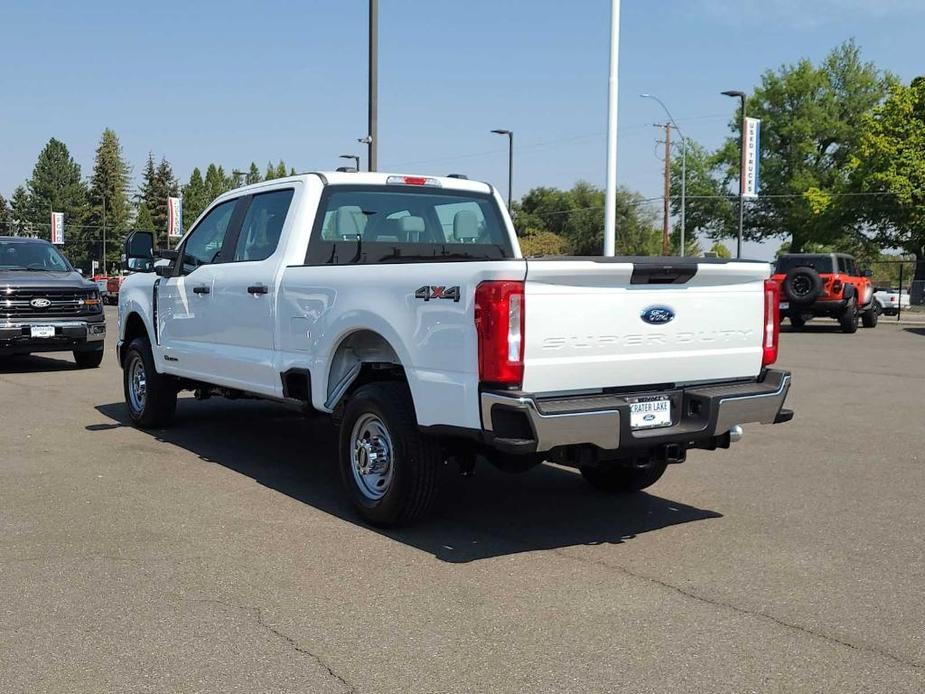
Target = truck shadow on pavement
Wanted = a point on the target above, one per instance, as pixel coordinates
(32, 363)
(488, 515)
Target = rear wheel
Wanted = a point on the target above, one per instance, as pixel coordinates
(151, 397)
(388, 467)
(797, 320)
(849, 317)
(623, 480)
(88, 360)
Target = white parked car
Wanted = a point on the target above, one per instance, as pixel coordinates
(401, 306)
(891, 300)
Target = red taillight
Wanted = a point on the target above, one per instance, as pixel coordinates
(771, 323)
(499, 324)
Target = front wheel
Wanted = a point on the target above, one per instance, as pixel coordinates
(151, 397)
(388, 467)
(849, 317)
(623, 480)
(88, 360)
(870, 317)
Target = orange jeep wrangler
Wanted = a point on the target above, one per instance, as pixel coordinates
(827, 285)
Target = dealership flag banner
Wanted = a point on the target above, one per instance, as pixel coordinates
(174, 217)
(751, 153)
(57, 228)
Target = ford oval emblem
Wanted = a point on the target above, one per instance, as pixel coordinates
(40, 303)
(656, 315)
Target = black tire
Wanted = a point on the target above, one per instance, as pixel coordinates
(158, 405)
(413, 460)
(797, 320)
(802, 286)
(622, 480)
(870, 317)
(88, 360)
(849, 317)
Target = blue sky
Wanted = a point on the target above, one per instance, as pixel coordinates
(233, 82)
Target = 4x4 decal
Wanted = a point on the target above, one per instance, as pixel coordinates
(427, 293)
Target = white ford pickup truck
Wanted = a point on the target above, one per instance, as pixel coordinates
(401, 306)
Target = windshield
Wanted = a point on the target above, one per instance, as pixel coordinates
(31, 255)
(821, 263)
(376, 224)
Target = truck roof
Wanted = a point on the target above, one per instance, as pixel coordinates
(365, 178)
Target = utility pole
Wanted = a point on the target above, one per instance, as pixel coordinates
(666, 200)
(610, 199)
(736, 94)
(510, 165)
(104, 233)
(372, 133)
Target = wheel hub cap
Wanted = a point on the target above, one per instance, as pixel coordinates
(372, 457)
(138, 385)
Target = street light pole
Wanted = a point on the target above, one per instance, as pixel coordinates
(740, 95)
(372, 132)
(104, 232)
(610, 201)
(674, 123)
(510, 164)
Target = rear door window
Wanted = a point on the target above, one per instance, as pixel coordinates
(262, 225)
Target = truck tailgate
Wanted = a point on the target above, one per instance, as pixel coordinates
(602, 323)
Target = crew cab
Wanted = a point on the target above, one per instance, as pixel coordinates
(828, 285)
(46, 305)
(401, 306)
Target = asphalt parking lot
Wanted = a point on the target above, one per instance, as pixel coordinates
(219, 555)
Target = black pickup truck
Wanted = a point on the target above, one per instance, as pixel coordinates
(46, 305)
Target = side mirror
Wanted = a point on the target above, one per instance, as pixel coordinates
(139, 249)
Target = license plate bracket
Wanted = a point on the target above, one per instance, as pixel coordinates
(650, 412)
(41, 331)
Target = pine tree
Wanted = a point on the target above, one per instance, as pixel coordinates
(19, 210)
(56, 185)
(107, 190)
(194, 198)
(253, 175)
(158, 184)
(215, 183)
(280, 169)
(292, 172)
(144, 220)
(270, 173)
(6, 218)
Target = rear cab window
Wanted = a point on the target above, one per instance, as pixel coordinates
(401, 224)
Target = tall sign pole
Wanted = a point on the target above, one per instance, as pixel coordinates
(610, 203)
(372, 133)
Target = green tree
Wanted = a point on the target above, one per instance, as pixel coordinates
(216, 183)
(539, 242)
(809, 117)
(108, 183)
(719, 250)
(195, 198)
(158, 183)
(253, 175)
(889, 169)
(270, 173)
(6, 218)
(709, 208)
(56, 185)
(144, 220)
(19, 210)
(577, 215)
